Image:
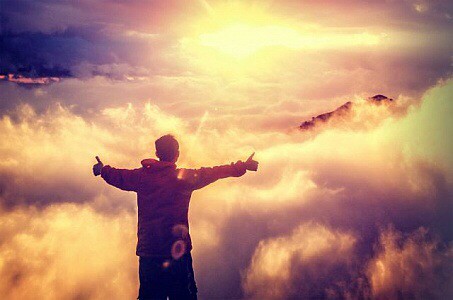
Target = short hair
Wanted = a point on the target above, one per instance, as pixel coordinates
(167, 147)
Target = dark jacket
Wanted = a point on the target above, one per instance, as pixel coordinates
(163, 195)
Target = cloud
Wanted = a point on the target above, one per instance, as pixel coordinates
(47, 158)
(435, 13)
(369, 179)
(55, 16)
(312, 262)
(411, 266)
(144, 40)
(41, 177)
(67, 251)
(79, 51)
(331, 190)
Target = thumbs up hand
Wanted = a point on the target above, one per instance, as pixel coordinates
(251, 164)
(97, 167)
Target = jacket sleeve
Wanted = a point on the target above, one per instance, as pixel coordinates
(200, 178)
(124, 179)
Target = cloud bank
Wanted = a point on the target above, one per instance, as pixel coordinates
(367, 217)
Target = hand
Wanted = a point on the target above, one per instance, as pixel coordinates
(97, 167)
(250, 164)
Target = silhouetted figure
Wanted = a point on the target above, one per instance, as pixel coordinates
(163, 195)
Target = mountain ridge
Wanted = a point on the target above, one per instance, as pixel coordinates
(342, 111)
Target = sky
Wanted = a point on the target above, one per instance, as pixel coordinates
(359, 206)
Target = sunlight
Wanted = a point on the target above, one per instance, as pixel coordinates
(241, 40)
(236, 40)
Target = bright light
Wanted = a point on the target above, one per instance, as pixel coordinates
(237, 40)
(242, 40)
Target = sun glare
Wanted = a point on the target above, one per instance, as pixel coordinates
(241, 40)
(240, 30)
(238, 40)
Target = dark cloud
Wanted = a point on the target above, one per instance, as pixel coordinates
(49, 16)
(80, 52)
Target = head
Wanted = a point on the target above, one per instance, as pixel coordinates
(167, 148)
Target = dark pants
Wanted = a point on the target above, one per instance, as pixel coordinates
(161, 278)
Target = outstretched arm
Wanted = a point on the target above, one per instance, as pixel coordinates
(200, 178)
(121, 178)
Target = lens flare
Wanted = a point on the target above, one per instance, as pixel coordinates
(178, 249)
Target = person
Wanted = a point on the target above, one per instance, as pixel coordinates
(163, 195)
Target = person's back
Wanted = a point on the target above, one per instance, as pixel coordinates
(163, 196)
(163, 204)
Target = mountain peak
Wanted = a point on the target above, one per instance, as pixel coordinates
(342, 111)
(380, 98)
